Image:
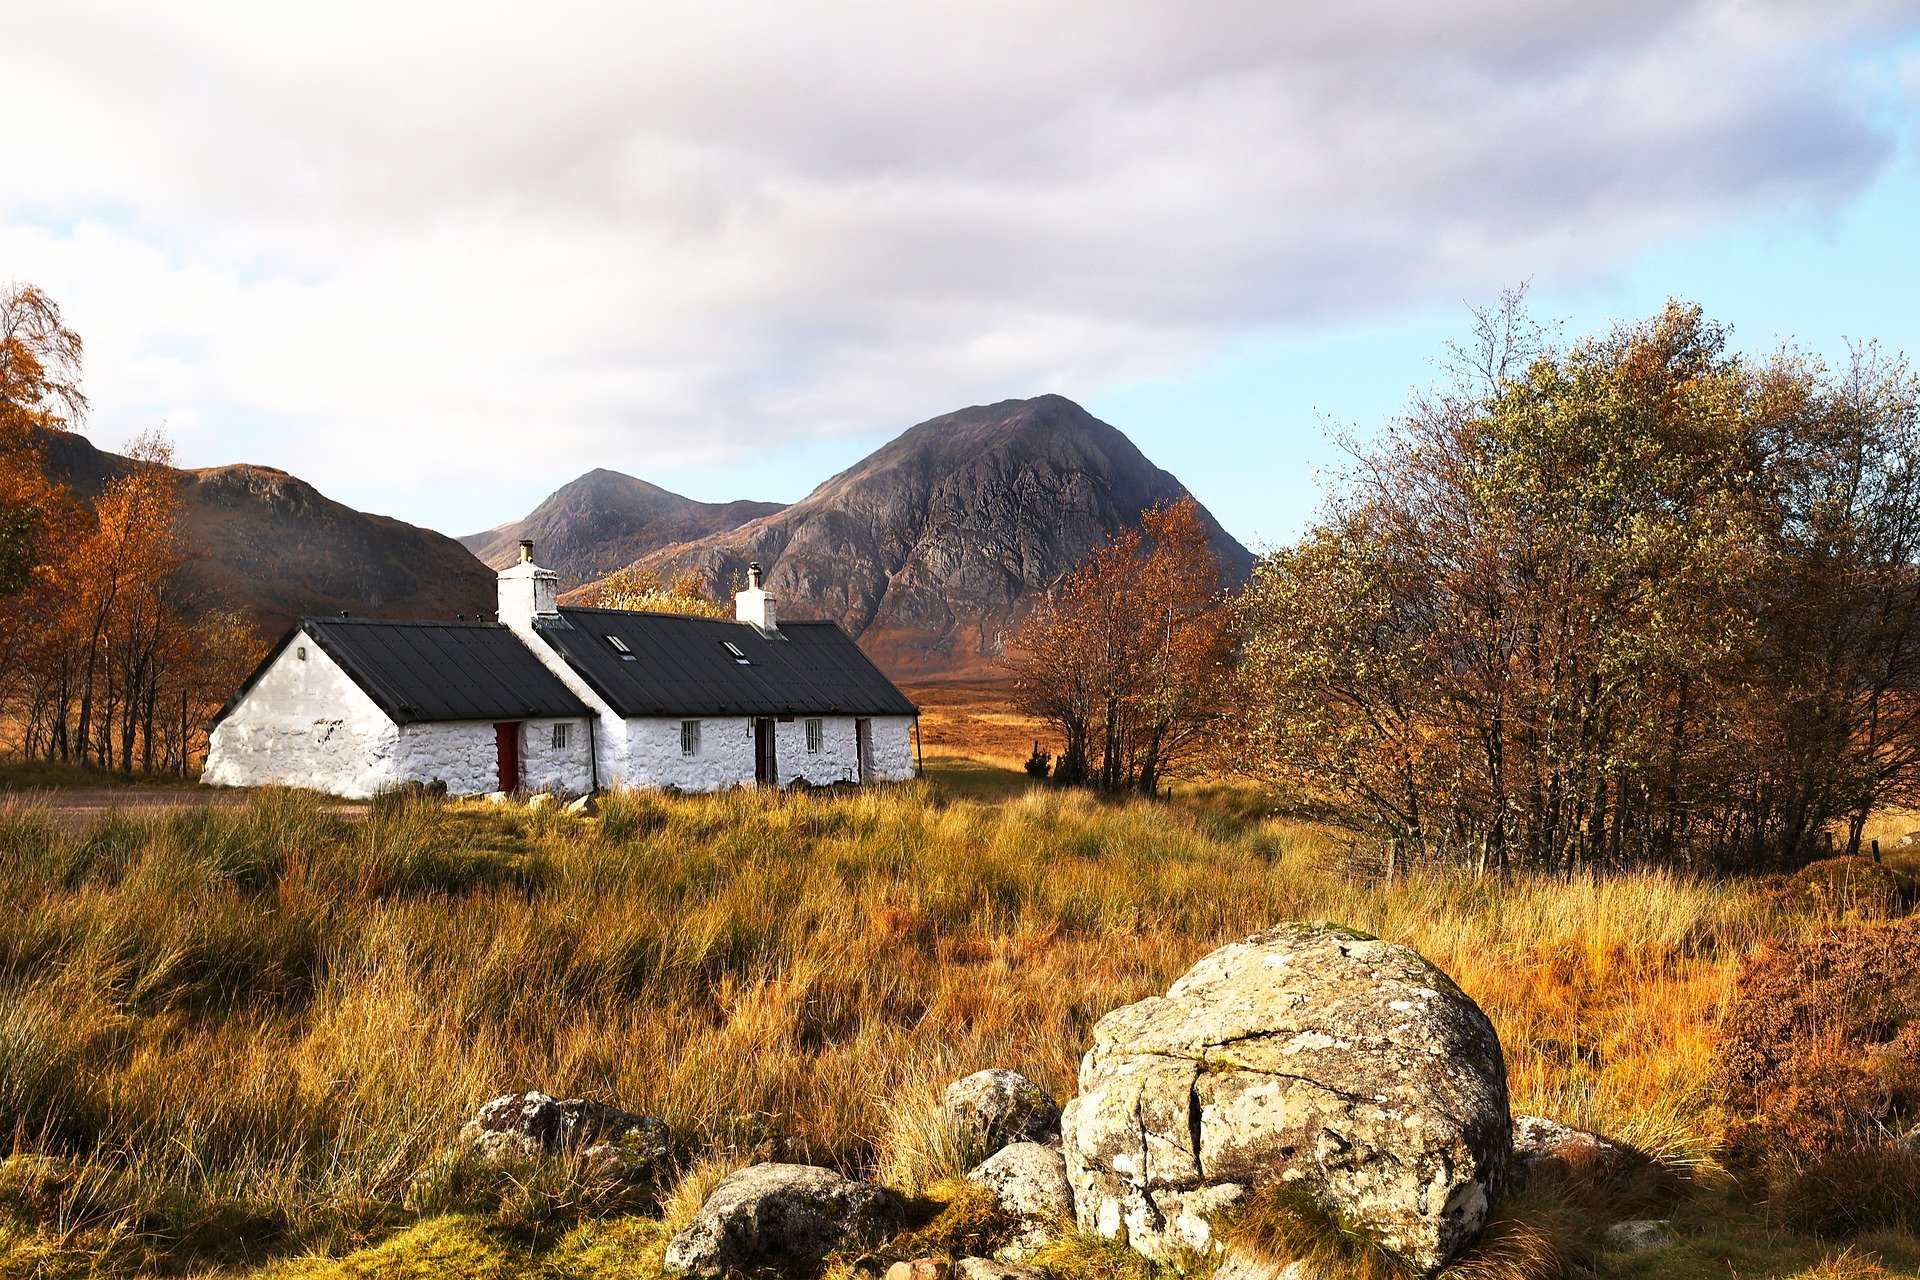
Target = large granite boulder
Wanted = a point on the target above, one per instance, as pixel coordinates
(528, 1126)
(781, 1215)
(992, 1108)
(1029, 1182)
(1305, 1055)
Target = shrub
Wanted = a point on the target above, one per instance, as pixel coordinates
(1039, 762)
(1822, 1069)
(1848, 888)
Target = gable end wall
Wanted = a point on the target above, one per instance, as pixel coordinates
(305, 724)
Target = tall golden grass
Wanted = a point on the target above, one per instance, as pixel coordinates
(245, 1032)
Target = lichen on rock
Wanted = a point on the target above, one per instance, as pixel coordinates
(1307, 1054)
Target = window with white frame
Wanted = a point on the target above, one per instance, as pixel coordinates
(816, 736)
(737, 653)
(689, 737)
(562, 736)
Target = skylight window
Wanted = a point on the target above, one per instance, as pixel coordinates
(738, 655)
(620, 647)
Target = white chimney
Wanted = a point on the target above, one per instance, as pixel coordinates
(527, 592)
(754, 605)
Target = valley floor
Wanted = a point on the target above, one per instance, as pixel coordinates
(239, 1039)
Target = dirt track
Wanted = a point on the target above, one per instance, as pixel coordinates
(74, 807)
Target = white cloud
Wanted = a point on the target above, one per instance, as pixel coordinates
(654, 233)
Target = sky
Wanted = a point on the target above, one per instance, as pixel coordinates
(438, 259)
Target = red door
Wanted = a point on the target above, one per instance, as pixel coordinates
(506, 741)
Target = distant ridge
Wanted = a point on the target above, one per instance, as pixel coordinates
(588, 528)
(931, 547)
(272, 547)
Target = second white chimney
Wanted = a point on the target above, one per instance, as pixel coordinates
(754, 605)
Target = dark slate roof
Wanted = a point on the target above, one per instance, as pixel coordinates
(681, 666)
(429, 671)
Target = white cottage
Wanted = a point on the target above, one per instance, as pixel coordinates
(564, 699)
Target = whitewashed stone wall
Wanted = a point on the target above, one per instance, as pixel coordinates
(610, 729)
(892, 748)
(726, 752)
(305, 723)
(725, 758)
(543, 767)
(462, 755)
(466, 756)
(837, 761)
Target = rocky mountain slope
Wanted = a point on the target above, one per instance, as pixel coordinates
(273, 547)
(932, 546)
(604, 520)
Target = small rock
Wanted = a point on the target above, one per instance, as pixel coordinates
(988, 1269)
(995, 1107)
(528, 1126)
(584, 807)
(1908, 840)
(919, 1269)
(1543, 1147)
(1030, 1183)
(1638, 1236)
(539, 800)
(781, 1215)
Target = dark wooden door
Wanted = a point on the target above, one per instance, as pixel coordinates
(766, 769)
(863, 747)
(506, 742)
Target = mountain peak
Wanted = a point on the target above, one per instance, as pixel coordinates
(932, 546)
(604, 519)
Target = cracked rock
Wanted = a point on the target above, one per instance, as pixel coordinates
(1307, 1055)
(1029, 1182)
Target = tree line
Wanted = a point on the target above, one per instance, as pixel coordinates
(104, 659)
(1637, 600)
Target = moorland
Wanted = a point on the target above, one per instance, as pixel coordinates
(240, 1040)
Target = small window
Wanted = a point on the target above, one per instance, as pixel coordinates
(620, 647)
(689, 737)
(562, 736)
(738, 656)
(816, 736)
(301, 653)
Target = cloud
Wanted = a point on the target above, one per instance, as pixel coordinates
(415, 236)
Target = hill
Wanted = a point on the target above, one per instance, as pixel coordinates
(931, 547)
(594, 525)
(273, 547)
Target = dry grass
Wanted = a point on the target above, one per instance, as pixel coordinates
(971, 719)
(242, 1033)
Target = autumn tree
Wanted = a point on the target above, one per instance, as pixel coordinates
(645, 591)
(39, 392)
(1638, 600)
(102, 660)
(1127, 657)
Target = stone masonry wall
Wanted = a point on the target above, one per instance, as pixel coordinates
(305, 723)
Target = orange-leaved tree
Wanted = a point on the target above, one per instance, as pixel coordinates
(1128, 657)
(644, 590)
